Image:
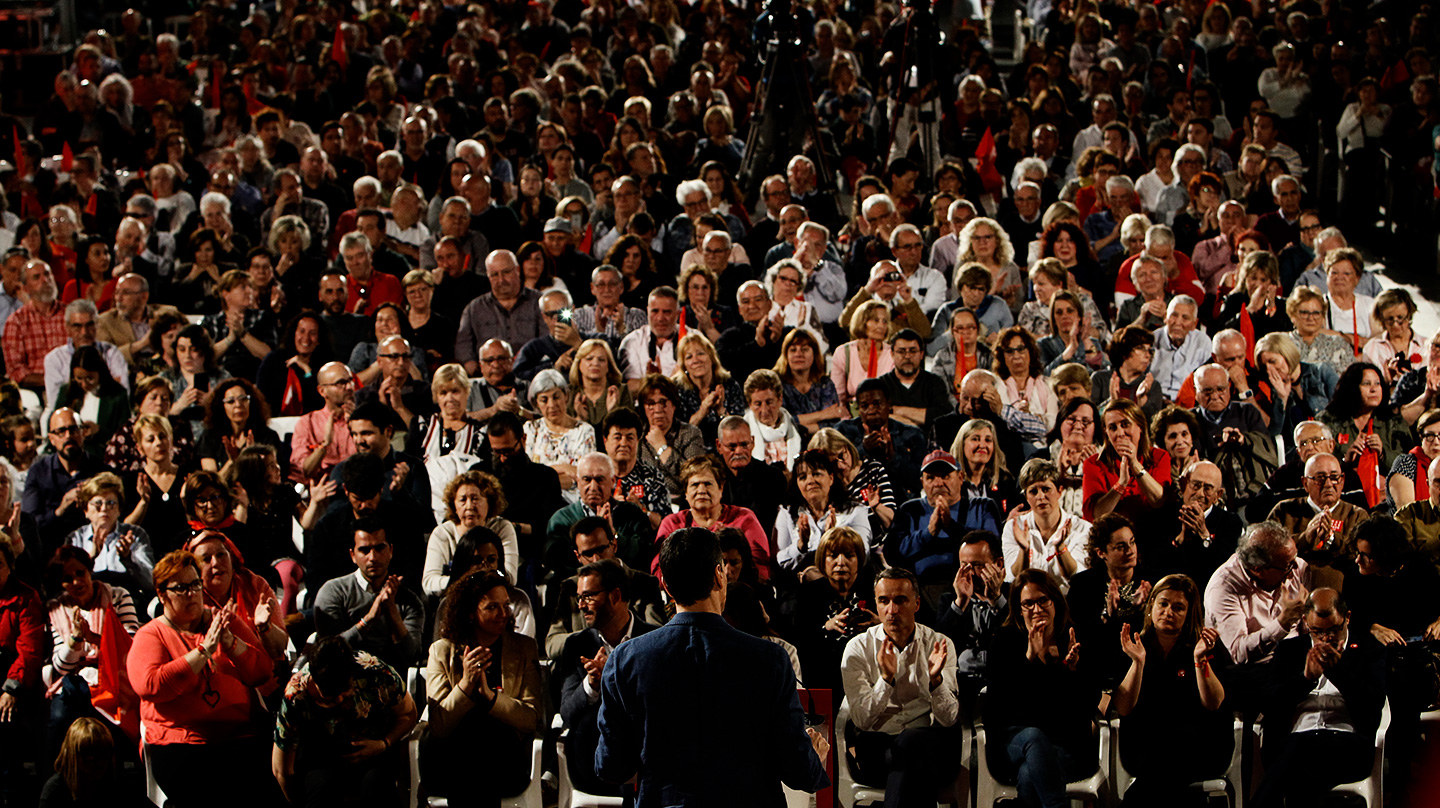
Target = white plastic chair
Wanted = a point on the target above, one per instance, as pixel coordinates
(1091, 790)
(1212, 788)
(152, 789)
(1372, 788)
(31, 404)
(531, 797)
(284, 425)
(851, 792)
(569, 796)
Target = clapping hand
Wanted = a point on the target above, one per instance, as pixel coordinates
(594, 666)
(936, 661)
(1072, 658)
(888, 661)
(219, 628)
(125, 542)
(1205, 645)
(402, 472)
(473, 667)
(1131, 644)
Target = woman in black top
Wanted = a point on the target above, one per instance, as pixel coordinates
(1109, 595)
(1040, 697)
(1174, 731)
(236, 417)
(835, 608)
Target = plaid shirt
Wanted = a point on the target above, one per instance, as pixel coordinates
(29, 335)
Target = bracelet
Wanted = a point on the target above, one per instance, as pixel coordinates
(387, 743)
(364, 621)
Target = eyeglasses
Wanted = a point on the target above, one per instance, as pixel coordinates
(104, 503)
(1323, 479)
(81, 326)
(1398, 319)
(185, 589)
(553, 313)
(589, 597)
(1308, 442)
(66, 430)
(238, 400)
(345, 382)
(1309, 312)
(1424, 436)
(912, 246)
(787, 279)
(1036, 605)
(905, 351)
(1080, 422)
(1011, 351)
(1333, 632)
(490, 360)
(209, 499)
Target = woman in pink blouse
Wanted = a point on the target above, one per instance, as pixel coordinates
(704, 480)
(867, 354)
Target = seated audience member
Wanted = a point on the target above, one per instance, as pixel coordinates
(1180, 347)
(1421, 518)
(398, 386)
(496, 389)
(472, 499)
(1044, 536)
(90, 390)
(1418, 390)
(669, 441)
(86, 770)
(1131, 353)
(1406, 481)
(1225, 423)
(633, 534)
(594, 541)
(1072, 442)
(1367, 428)
(755, 342)
(819, 502)
(128, 324)
(865, 478)
(236, 417)
(557, 439)
(777, 440)
(973, 614)
(372, 427)
(78, 609)
(370, 609)
(1039, 745)
(288, 375)
(557, 347)
(960, 496)
(157, 489)
(749, 482)
(1330, 671)
(329, 544)
(704, 481)
(642, 484)
(341, 730)
(608, 318)
(596, 387)
(706, 389)
(833, 608)
(1147, 309)
(899, 678)
(992, 312)
(1129, 475)
(80, 318)
(916, 395)
(321, 439)
(195, 671)
(896, 445)
(480, 549)
(1019, 365)
(1308, 439)
(1298, 390)
(867, 354)
(1255, 600)
(1256, 304)
(122, 552)
(22, 650)
(449, 429)
(483, 689)
(603, 592)
(810, 393)
(228, 581)
(1073, 336)
(1207, 531)
(1322, 524)
(532, 491)
(1174, 649)
(51, 492)
(1109, 595)
(651, 348)
(152, 396)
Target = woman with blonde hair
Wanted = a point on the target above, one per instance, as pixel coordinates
(867, 354)
(1256, 306)
(450, 428)
(866, 479)
(85, 770)
(595, 382)
(707, 390)
(1307, 309)
(985, 242)
(1299, 390)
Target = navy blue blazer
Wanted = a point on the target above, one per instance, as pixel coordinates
(705, 715)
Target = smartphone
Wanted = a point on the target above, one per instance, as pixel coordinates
(202, 382)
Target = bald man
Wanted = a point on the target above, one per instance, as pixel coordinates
(321, 439)
(1202, 533)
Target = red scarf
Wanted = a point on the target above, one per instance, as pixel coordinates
(113, 696)
(1369, 470)
(1422, 474)
(874, 365)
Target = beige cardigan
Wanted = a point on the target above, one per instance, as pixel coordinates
(519, 702)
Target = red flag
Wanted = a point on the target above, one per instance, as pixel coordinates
(988, 154)
(19, 152)
(112, 695)
(67, 157)
(92, 205)
(252, 105)
(337, 48)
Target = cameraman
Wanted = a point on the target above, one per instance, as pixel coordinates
(555, 349)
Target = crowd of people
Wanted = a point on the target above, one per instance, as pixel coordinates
(338, 344)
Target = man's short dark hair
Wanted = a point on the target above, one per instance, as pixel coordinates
(872, 386)
(621, 418)
(332, 666)
(369, 524)
(376, 413)
(908, 335)
(612, 576)
(374, 213)
(363, 475)
(688, 560)
(505, 423)
(988, 538)
(589, 525)
(899, 574)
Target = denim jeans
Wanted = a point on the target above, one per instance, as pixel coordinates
(1041, 768)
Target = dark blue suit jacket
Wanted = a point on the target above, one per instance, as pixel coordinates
(706, 716)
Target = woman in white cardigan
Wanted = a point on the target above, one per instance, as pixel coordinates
(473, 499)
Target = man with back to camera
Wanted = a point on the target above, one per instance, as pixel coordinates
(739, 689)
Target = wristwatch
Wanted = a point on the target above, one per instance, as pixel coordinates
(1246, 395)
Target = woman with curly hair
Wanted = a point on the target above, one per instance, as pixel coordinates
(237, 416)
(983, 241)
(633, 257)
(473, 499)
(1065, 241)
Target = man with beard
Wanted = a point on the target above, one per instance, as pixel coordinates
(361, 482)
(594, 543)
(53, 483)
(371, 609)
(917, 396)
(321, 440)
(35, 329)
(604, 592)
(346, 329)
(406, 486)
(532, 491)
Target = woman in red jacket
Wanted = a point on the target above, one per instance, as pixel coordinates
(22, 632)
(195, 670)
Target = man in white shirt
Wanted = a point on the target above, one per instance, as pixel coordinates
(904, 701)
(1180, 347)
(929, 286)
(1327, 690)
(81, 320)
(943, 252)
(651, 349)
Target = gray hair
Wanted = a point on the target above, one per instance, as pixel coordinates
(904, 228)
(1159, 235)
(1329, 233)
(569, 301)
(214, 198)
(1182, 300)
(1121, 183)
(144, 203)
(875, 200)
(809, 225)
(1278, 181)
(751, 284)
(1227, 334)
(1261, 542)
(1134, 225)
(81, 305)
(1188, 148)
(595, 273)
(689, 187)
(1324, 430)
(1025, 167)
(593, 457)
(724, 235)
(353, 239)
(1144, 258)
(545, 381)
(457, 200)
(366, 182)
(388, 155)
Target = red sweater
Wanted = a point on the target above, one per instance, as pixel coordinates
(741, 518)
(1099, 478)
(178, 705)
(22, 627)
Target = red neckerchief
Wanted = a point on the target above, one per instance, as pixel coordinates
(1422, 468)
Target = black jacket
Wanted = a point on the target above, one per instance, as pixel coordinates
(1360, 676)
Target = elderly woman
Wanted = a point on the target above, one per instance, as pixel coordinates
(699, 309)
(867, 354)
(1349, 313)
(1256, 307)
(834, 607)
(434, 332)
(785, 282)
(236, 417)
(195, 374)
(809, 394)
(450, 428)
(483, 688)
(1369, 432)
(1159, 692)
(1307, 308)
(1298, 390)
(152, 396)
(706, 389)
(1048, 278)
(122, 552)
(228, 581)
(985, 242)
(777, 440)
(1045, 536)
(1399, 349)
(296, 265)
(557, 439)
(1072, 338)
(390, 321)
(1072, 442)
(155, 487)
(195, 670)
(79, 607)
(1178, 432)
(819, 501)
(1408, 480)
(1130, 378)
(705, 478)
(668, 441)
(595, 379)
(962, 348)
(1019, 365)
(1147, 309)
(473, 499)
(1129, 474)
(866, 479)
(1109, 594)
(1042, 744)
